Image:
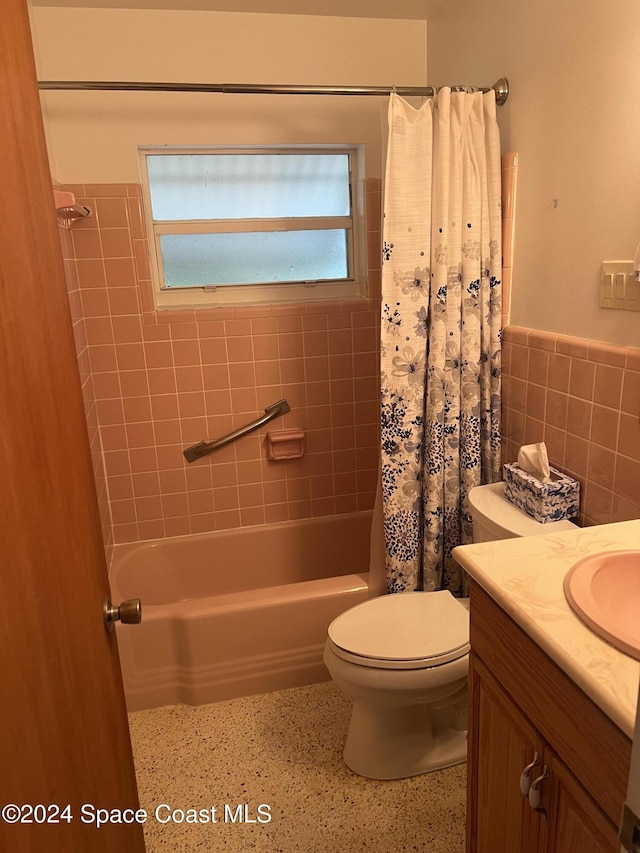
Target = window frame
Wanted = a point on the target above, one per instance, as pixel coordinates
(348, 289)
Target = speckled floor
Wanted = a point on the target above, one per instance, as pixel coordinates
(280, 754)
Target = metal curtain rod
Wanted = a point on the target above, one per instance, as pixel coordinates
(501, 88)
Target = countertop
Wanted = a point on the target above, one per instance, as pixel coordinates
(525, 576)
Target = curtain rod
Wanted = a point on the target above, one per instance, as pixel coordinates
(501, 88)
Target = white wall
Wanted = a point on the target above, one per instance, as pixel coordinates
(92, 137)
(574, 117)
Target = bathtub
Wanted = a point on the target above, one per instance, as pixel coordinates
(236, 612)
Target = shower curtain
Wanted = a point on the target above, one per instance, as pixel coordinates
(440, 340)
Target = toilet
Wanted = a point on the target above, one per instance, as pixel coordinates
(494, 517)
(404, 660)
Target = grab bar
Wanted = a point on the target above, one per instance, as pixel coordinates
(205, 447)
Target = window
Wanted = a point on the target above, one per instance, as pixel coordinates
(252, 226)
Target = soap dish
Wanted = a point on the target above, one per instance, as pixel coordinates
(285, 444)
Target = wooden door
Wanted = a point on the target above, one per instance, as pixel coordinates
(501, 744)
(575, 823)
(65, 738)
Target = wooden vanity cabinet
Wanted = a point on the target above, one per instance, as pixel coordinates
(572, 821)
(524, 710)
(499, 818)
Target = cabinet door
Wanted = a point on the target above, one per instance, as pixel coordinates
(575, 823)
(501, 744)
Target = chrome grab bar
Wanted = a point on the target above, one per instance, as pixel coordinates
(205, 447)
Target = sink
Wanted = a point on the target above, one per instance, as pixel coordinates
(604, 591)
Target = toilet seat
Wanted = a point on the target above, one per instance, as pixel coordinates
(409, 630)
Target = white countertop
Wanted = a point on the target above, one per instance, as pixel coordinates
(525, 576)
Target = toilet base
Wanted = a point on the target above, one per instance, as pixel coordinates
(395, 743)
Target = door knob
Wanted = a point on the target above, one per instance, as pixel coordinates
(129, 612)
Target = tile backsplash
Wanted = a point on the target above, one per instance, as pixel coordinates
(86, 380)
(157, 382)
(582, 398)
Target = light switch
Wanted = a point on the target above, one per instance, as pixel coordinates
(618, 286)
(607, 285)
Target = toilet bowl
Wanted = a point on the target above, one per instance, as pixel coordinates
(404, 660)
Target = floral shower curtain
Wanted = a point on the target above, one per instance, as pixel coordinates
(441, 316)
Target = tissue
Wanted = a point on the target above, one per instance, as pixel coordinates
(534, 459)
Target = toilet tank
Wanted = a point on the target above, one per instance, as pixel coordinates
(494, 517)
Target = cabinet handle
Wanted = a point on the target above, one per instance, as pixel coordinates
(534, 792)
(525, 776)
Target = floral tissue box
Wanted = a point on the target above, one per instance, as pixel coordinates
(546, 502)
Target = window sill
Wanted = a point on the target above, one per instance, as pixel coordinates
(259, 297)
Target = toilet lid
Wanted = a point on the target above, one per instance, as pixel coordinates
(411, 626)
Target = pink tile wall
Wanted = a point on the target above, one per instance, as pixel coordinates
(165, 380)
(86, 379)
(583, 399)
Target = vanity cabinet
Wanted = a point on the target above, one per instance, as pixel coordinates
(532, 729)
(572, 821)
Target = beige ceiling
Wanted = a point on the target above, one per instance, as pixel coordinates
(395, 9)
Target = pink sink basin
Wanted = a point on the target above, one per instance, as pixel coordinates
(604, 591)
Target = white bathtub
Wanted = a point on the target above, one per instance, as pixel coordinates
(233, 613)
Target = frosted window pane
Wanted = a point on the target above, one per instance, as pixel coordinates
(196, 260)
(248, 186)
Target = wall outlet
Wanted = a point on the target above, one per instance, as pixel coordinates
(618, 286)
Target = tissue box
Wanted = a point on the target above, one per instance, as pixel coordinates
(545, 502)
